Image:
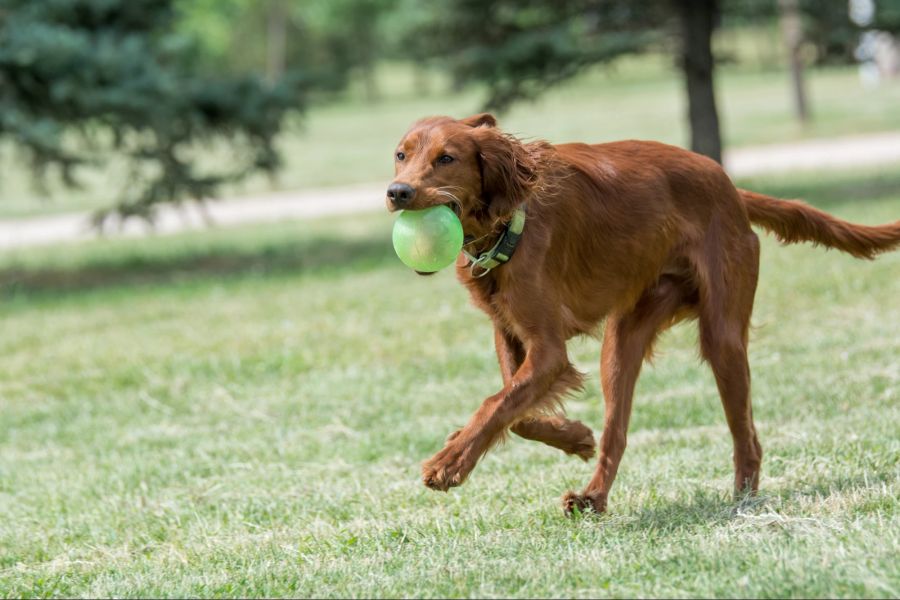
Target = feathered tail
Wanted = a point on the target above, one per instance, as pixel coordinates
(793, 221)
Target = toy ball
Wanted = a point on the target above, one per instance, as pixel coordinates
(427, 240)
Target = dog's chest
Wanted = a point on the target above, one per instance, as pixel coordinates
(487, 295)
(482, 291)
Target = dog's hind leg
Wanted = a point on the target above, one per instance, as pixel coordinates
(724, 322)
(627, 340)
(572, 437)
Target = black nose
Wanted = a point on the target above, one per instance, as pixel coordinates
(400, 194)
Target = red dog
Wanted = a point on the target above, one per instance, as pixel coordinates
(640, 234)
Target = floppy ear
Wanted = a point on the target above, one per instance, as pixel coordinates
(479, 120)
(508, 172)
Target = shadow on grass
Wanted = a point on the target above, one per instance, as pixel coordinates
(134, 268)
(771, 507)
(840, 484)
(827, 190)
(703, 508)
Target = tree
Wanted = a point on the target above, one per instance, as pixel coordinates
(827, 27)
(519, 49)
(698, 20)
(330, 40)
(792, 28)
(81, 80)
(353, 30)
(276, 39)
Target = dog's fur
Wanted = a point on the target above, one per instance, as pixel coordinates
(639, 234)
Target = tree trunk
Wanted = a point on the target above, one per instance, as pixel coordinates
(698, 19)
(276, 40)
(792, 30)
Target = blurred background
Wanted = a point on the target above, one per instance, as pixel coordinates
(216, 378)
(118, 107)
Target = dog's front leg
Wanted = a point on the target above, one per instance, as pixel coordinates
(544, 374)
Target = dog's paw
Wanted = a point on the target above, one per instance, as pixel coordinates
(446, 469)
(584, 448)
(594, 503)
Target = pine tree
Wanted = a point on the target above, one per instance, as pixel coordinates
(82, 81)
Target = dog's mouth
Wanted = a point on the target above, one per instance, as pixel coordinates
(455, 207)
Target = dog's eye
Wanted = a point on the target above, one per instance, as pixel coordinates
(400, 156)
(445, 159)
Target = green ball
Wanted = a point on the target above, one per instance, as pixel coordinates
(428, 240)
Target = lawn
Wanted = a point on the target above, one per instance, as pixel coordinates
(242, 413)
(345, 140)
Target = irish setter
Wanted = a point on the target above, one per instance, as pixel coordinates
(638, 234)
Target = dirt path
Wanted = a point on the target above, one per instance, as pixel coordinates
(830, 153)
(856, 151)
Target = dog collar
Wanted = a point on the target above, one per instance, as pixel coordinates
(503, 250)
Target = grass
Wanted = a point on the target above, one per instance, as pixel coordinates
(242, 413)
(348, 141)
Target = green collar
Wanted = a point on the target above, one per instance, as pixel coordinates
(503, 249)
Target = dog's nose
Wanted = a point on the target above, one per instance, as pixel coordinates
(400, 194)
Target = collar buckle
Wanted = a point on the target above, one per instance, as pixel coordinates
(503, 250)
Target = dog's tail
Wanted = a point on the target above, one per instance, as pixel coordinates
(793, 221)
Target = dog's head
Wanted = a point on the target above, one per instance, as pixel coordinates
(467, 164)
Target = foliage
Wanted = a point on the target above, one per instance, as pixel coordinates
(827, 25)
(521, 49)
(331, 38)
(640, 97)
(82, 79)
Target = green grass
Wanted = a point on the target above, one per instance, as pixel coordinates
(347, 141)
(242, 413)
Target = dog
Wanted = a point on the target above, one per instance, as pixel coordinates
(637, 234)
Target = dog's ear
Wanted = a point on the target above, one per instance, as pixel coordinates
(508, 172)
(480, 120)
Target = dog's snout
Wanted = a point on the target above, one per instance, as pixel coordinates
(400, 194)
